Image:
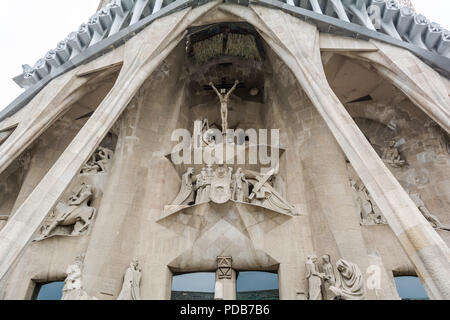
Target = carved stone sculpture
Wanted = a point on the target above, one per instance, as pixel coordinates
(314, 278)
(75, 213)
(265, 195)
(186, 194)
(221, 185)
(131, 281)
(349, 282)
(369, 211)
(329, 277)
(203, 186)
(224, 97)
(240, 186)
(73, 284)
(432, 219)
(224, 267)
(392, 157)
(99, 162)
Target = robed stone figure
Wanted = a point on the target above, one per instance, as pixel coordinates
(131, 280)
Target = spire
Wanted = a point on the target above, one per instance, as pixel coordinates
(103, 3)
(406, 3)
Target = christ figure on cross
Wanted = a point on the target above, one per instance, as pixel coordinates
(224, 96)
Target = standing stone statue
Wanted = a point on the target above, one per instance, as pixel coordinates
(131, 280)
(73, 284)
(314, 278)
(224, 97)
(207, 177)
(240, 186)
(329, 277)
(199, 183)
(432, 219)
(76, 213)
(349, 283)
(186, 194)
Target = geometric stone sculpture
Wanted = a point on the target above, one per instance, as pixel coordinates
(224, 267)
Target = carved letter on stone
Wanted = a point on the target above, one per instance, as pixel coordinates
(73, 217)
(349, 283)
(131, 280)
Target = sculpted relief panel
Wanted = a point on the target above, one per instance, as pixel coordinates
(369, 211)
(326, 284)
(100, 162)
(75, 215)
(221, 185)
(72, 217)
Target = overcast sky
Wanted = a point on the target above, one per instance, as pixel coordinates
(30, 28)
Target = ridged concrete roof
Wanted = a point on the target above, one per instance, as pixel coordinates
(120, 19)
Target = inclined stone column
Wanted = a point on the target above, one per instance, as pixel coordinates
(142, 55)
(225, 288)
(301, 53)
(418, 81)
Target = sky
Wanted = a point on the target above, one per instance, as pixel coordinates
(30, 28)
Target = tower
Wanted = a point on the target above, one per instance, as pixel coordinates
(166, 138)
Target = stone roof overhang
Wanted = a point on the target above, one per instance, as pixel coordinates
(120, 20)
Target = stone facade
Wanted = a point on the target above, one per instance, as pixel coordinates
(359, 191)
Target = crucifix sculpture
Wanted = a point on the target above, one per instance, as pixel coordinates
(224, 96)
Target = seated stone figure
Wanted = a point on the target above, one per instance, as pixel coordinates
(349, 283)
(75, 213)
(391, 156)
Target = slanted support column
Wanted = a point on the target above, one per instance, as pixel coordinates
(419, 82)
(158, 6)
(301, 53)
(225, 288)
(44, 110)
(142, 55)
